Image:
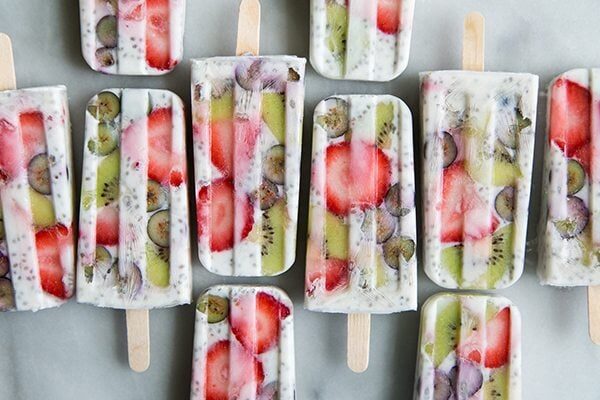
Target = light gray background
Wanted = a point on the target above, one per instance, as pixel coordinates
(79, 352)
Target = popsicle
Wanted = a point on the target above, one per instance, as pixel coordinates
(478, 143)
(361, 251)
(134, 249)
(36, 200)
(469, 348)
(367, 40)
(243, 344)
(247, 121)
(132, 37)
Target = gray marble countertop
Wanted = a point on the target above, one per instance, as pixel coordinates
(79, 352)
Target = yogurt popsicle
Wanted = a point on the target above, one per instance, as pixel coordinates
(134, 250)
(569, 253)
(244, 344)
(469, 348)
(362, 231)
(36, 202)
(132, 37)
(366, 40)
(478, 138)
(247, 120)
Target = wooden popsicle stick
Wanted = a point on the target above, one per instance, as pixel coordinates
(8, 79)
(594, 313)
(248, 37)
(138, 339)
(474, 42)
(359, 339)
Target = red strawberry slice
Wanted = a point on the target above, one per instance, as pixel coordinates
(461, 202)
(221, 146)
(215, 206)
(158, 38)
(256, 321)
(11, 162)
(132, 12)
(583, 155)
(336, 273)
(570, 115)
(107, 226)
(358, 175)
(160, 128)
(33, 133)
(177, 178)
(498, 339)
(49, 243)
(389, 16)
(231, 372)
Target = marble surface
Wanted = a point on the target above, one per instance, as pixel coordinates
(79, 351)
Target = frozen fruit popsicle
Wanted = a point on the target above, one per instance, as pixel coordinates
(132, 37)
(247, 119)
(469, 348)
(362, 230)
(478, 138)
(36, 202)
(134, 250)
(366, 40)
(244, 344)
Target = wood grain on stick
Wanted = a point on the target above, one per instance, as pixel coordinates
(359, 338)
(7, 66)
(248, 37)
(594, 313)
(474, 42)
(138, 339)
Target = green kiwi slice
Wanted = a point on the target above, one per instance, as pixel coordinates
(447, 331)
(384, 124)
(158, 228)
(267, 194)
(273, 113)
(336, 237)
(107, 140)
(216, 308)
(106, 31)
(107, 181)
(42, 210)
(38, 174)
(157, 266)
(501, 258)
(396, 247)
(335, 121)
(105, 107)
(156, 196)
(274, 164)
(273, 238)
(337, 21)
(575, 177)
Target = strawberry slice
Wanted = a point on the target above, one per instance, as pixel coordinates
(158, 37)
(49, 243)
(221, 146)
(583, 155)
(570, 115)
(11, 162)
(216, 217)
(389, 16)
(336, 273)
(256, 321)
(107, 226)
(160, 127)
(355, 181)
(461, 202)
(233, 140)
(497, 342)
(231, 372)
(33, 133)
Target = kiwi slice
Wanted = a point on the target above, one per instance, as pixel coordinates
(396, 247)
(273, 113)
(393, 202)
(505, 169)
(42, 210)
(447, 331)
(496, 387)
(451, 260)
(38, 174)
(335, 122)
(4, 265)
(103, 256)
(157, 269)
(337, 21)
(216, 308)
(267, 194)
(577, 219)
(385, 224)
(107, 181)
(105, 107)
(505, 203)
(106, 141)
(274, 222)
(222, 103)
(336, 237)
(156, 196)
(510, 124)
(575, 177)
(114, 4)
(158, 228)
(7, 295)
(106, 31)
(384, 124)
(105, 57)
(449, 149)
(501, 258)
(274, 164)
